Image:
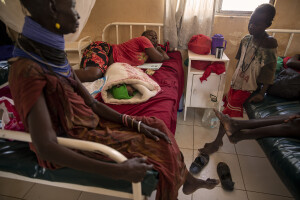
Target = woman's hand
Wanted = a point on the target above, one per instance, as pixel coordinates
(256, 98)
(134, 170)
(154, 133)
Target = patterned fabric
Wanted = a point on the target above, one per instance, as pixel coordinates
(132, 52)
(234, 102)
(96, 54)
(71, 117)
(262, 65)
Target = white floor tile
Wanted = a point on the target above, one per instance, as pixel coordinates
(204, 135)
(219, 194)
(189, 117)
(250, 148)
(182, 196)
(188, 156)
(14, 188)
(46, 192)
(210, 170)
(261, 196)
(259, 176)
(198, 116)
(92, 196)
(184, 136)
(153, 195)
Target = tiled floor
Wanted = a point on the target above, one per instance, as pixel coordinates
(252, 173)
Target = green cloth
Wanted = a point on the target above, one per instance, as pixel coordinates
(279, 64)
(120, 92)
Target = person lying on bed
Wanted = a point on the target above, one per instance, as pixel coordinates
(52, 102)
(292, 62)
(99, 55)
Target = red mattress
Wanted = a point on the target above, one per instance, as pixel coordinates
(164, 105)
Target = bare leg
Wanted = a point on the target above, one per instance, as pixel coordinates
(212, 147)
(232, 125)
(192, 184)
(290, 129)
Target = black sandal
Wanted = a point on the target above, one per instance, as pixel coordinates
(225, 176)
(199, 163)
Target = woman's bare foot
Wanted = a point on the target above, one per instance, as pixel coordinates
(227, 123)
(192, 184)
(232, 138)
(212, 147)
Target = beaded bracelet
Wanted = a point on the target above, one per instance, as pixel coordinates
(126, 121)
(139, 126)
(123, 119)
(132, 120)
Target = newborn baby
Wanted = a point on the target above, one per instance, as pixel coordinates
(123, 91)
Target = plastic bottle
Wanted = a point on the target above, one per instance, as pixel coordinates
(209, 118)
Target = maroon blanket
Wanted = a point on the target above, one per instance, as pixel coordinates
(164, 105)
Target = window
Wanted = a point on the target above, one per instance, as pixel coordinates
(239, 7)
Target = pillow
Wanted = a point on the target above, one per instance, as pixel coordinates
(286, 85)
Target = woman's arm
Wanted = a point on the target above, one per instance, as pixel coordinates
(89, 74)
(45, 141)
(157, 54)
(110, 114)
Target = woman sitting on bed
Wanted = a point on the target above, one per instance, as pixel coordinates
(99, 55)
(52, 102)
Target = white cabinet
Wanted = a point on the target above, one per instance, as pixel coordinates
(199, 94)
(202, 92)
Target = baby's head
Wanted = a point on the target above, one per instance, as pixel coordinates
(261, 19)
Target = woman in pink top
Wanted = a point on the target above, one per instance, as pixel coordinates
(99, 55)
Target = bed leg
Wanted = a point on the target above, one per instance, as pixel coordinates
(137, 191)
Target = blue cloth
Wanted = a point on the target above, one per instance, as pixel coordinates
(37, 33)
(6, 52)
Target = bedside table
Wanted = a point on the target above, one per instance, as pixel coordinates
(200, 94)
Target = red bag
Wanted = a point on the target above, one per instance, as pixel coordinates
(200, 44)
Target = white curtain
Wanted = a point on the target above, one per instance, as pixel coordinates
(11, 14)
(185, 18)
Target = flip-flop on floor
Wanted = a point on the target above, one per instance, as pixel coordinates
(199, 163)
(225, 176)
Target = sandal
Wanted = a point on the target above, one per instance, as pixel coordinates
(199, 163)
(225, 176)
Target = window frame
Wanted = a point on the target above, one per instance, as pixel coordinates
(233, 12)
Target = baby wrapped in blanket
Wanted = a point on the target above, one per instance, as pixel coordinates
(120, 77)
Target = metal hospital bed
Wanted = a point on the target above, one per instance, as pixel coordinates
(85, 145)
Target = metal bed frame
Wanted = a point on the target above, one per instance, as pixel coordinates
(287, 31)
(84, 145)
(131, 25)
